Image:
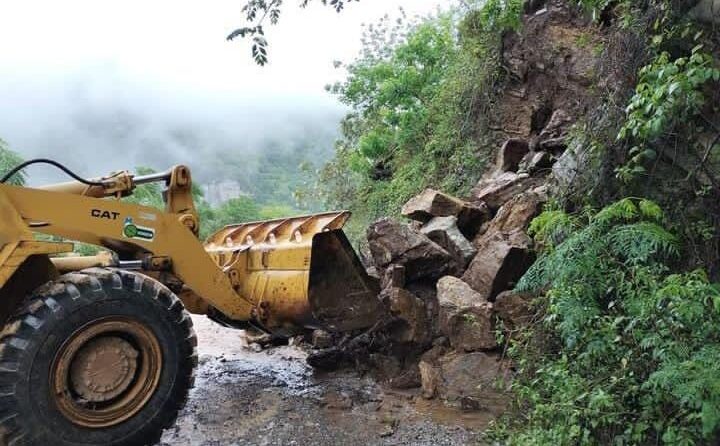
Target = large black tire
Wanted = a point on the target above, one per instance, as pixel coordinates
(30, 413)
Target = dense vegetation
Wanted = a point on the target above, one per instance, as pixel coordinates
(625, 351)
(414, 95)
(625, 348)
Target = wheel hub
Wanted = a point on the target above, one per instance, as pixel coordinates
(106, 372)
(103, 368)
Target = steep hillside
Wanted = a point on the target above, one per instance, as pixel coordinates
(558, 161)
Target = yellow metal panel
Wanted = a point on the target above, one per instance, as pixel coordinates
(13, 255)
(103, 222)
(12, 228)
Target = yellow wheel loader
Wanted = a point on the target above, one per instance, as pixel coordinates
(100, 350)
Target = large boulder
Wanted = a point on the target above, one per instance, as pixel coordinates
(476, 381)
(431, 203)
(511, 153)
(501, 262)
(516, 214)
(471, 217)
(444, 232)
(410, 324)
(465, 316)
(498, 190)
(514, 309)
(393, 243)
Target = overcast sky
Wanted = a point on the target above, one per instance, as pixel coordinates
(84, 79)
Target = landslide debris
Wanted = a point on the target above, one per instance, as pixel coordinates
(448, 273)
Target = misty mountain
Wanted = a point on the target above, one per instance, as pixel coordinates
(95, 131)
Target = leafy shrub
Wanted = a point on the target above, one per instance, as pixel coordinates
(669, 93)
(8, 160)
(630, 352)
(417, 93)
(501, 14)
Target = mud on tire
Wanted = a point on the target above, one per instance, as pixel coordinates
(32, 412)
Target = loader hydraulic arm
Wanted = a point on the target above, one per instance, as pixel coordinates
(161, 240)
(178, 195)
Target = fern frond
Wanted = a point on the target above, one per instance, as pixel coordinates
(552, 227)
(624, 210)
(642, 243)
(651, 210)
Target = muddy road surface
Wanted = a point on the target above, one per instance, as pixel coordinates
(271, 397)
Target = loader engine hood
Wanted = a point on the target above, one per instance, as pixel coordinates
(298, 272)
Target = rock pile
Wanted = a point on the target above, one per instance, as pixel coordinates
(442, 275)
(447, 278)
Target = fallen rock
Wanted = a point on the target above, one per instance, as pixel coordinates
(384, 367)
(557, 125)
(394, 243)
(411, 324)
(444, 232)
(555, 146)
(426, 291)
(567, 169)
(516, 214)
(321, 339)
(431, 203)
(511, 153)
(430, 373)
(476, 381)
(465, 316)
(471, 218)
(514, 309)
(498, 190)
(328, 359)
(535, 161)
(408, 379)
(394, 277)
(501, 262)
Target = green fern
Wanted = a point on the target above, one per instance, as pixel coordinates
(624, 210)
(627, 353)
(651, 210)
(642, 243)
(552, 227)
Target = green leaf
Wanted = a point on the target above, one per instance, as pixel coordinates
(674, 87)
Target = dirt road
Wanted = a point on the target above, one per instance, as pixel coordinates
(242, 397)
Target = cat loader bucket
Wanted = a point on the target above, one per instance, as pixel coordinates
(298, 272)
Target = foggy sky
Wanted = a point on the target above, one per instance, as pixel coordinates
(103, 86)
